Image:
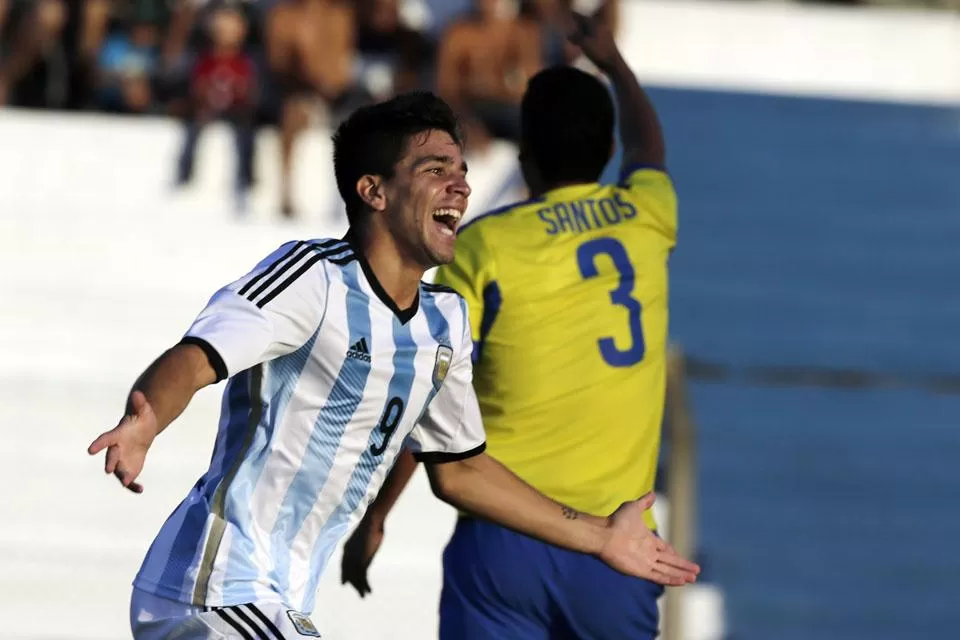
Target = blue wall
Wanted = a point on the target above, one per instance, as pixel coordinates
(827, 234)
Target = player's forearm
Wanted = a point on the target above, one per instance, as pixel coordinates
(171, 381)
(393, 486)
(640, 131)
(484, 487)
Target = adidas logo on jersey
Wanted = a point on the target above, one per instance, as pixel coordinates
(359, 351)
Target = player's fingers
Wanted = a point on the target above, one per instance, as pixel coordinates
(103, 441)
(113, 458)
(666, 579)
(646, 501)
(124, 475)
(135, 487)
(678, 562)
(675, 572)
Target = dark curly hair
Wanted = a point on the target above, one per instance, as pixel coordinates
(567, 124)
(372, 140)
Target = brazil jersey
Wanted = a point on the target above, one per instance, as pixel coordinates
(567, 297)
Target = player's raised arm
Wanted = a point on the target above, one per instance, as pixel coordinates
(269, 312)
(640, 131)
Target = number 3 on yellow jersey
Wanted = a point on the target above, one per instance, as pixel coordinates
(587, 254)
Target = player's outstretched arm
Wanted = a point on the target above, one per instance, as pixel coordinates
(640, 131)
(363, 544)
(158, 396)
(483, 486)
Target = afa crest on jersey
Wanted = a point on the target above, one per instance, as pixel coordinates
(303, 624)
(442, 366)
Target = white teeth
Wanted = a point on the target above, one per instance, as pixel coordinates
(447, 231)
(456, 214)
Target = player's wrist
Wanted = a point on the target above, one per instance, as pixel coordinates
(614, 65)
(596, 530)
(604, 533)
(374, 520)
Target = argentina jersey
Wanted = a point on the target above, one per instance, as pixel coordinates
(328, 379)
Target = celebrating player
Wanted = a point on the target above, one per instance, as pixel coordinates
(336, 354)
(567, 295)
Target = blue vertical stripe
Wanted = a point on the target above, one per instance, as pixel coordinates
(335, 527)
(279, 380)
(440, 331)
(345, 396)
(492, 300)
(195, 508)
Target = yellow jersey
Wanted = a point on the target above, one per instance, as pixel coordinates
(567, 296)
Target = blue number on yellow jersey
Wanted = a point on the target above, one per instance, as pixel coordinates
(568, 309)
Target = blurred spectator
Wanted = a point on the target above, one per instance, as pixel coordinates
(128, 62)
(485, 61)
(33, 69)
(310, 48)
(390, 56)
(51, 59)
(223, 86)
(185, 37)
(440, 14)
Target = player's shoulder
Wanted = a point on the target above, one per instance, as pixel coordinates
(648, 176)
(495, 219)
(440, 292)
(444, 301)
(298, 257)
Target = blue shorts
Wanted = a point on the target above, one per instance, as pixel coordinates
(499, 584)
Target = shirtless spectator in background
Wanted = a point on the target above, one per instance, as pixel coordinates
(310, 49)
(49, 51)
(485, 60)
(391, 57)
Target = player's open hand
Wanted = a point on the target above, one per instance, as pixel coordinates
(127, 443)
(592, 37)
(358, 553)
(635, 550)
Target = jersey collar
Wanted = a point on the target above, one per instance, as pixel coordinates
(403, 315)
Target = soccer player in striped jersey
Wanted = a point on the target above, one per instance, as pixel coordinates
(568, 307)
(336, 354)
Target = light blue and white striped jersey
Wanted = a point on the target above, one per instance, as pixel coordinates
(328, 380)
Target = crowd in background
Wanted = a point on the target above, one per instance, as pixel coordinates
(281, 63)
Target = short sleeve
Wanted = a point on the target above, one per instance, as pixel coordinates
(472, 274)
(651, 190)
(271, 311)
(451, 428)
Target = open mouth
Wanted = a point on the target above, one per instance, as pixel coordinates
(448, 219)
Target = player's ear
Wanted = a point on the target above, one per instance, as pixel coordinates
(370, 189)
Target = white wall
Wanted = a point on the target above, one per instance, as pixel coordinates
(890, 54)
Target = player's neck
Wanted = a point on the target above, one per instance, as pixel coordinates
(539, 189)
(398, 277)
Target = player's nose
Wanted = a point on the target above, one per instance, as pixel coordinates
(459, 185)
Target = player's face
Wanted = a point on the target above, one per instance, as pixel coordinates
(429, 194)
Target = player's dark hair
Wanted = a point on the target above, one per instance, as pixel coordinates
(372, 140)
(566, 125)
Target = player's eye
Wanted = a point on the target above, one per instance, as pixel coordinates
(436, 170)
